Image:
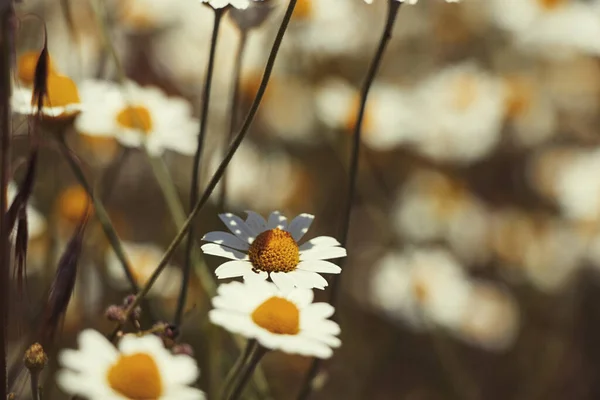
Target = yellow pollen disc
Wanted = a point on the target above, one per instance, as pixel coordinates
(73, 203)
(62, 92)
(274, 250)
(136, 377)
(550, 4)
(278, 315)
(303, 10)
(135, 117)
(26, 66)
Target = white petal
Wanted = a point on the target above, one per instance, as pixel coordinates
(226, 239)
(302, 297)
(218, 250)
(318, 311)
(284, 282)
(232, 269)
(256, 222)
(308, 280)
(326, 253)
(237, 225)
(319, 266)
(320, 241)
(277, 220)
(185, 393)
(300, 225)
(329, 340)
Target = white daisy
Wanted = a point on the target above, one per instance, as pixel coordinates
(239, 4)
(143, 259)
(422, 288)
(291, 323)
(271, 249)
(141, 368)
(137, 116)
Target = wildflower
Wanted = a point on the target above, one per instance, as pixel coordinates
(291, 323)
(143, 259)
(423, 288)
(137, 116)
(271, 249)
(141, 368)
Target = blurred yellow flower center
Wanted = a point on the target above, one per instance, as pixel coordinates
(62, 91)
(550, 4)
(274, 250)
(135, 117)
(26, 66)
(73, 203)
(136, 377)
(303, 9)
(278, 315)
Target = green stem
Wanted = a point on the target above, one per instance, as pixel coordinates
(235, 372)
(194, 185)
(100, 211)
(257, 355)
(393, 8)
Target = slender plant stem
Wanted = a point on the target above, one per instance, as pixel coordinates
(35, 385)
(226, 160)
(5, 132)
(233, 111)
(393, 8)
(100, 211)
(235, 372)
(194, 185)
(240, 383)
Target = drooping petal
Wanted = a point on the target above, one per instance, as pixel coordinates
(323, 253)
(320, 241)
(321, 266)
(232, 269)
(284, 282)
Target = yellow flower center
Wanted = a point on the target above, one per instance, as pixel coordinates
(135, 117)
(278, 315)
(303, 10)
(26, 66)
(551, 4)
(136, 377)
(73, 204)
(62, 92)
(274, 250)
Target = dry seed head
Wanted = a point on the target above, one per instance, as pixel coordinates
(35, 358)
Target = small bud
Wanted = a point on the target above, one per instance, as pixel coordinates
(183, 348)
(35, 359)
(171, 332)
(115, 313)
(254, 16)
(137, 312)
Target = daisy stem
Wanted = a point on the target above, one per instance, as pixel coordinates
(5, 132)
(35, 384)
(100, 211)
(235, 371)
(393, 8)
(194, 185)
(256, 355)
(233, 112)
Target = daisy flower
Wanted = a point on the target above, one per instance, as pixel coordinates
(137, 116)
(141, 368)
(271, 249)
(291, 323)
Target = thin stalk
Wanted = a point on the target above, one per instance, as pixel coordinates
(393, 8)
(100, 211)
(226, 160)
(35, 385)
(235, 99)
(5, 131)
(246, 374)
(194, 185)
(235, 372)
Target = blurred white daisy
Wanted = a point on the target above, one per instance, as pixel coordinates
(271, 249)
(137, 116)
(143, 259)
(432, 207)
(288, 322)
(147, 15)
(141, 368)
(423, 287)
(491, 319)
(555, 28)
(460, 110)
(390, 118)
(61, 101)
